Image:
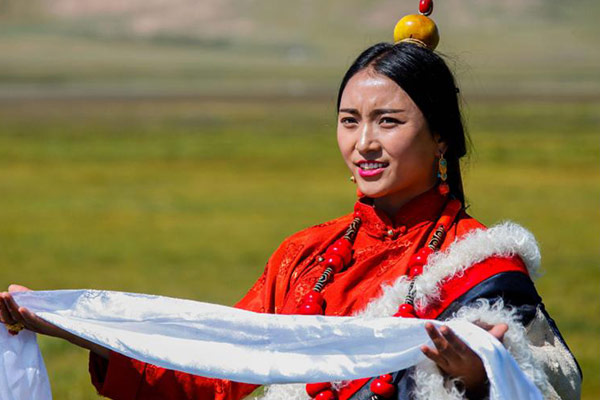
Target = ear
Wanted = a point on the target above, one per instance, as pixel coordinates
(441, 145)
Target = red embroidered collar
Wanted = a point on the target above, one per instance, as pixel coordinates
(425, 207)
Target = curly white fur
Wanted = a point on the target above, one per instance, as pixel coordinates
(296, 391)
(431, 384)
(504, 240)
(515, 339)
(429, 381)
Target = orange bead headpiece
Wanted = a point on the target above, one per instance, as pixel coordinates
(418, 28)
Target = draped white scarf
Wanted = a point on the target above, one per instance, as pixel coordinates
(224, 342)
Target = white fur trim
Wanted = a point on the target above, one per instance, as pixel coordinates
(296, 391)
(515, 341)
(387, 304)
(431, 384)
(504, 240)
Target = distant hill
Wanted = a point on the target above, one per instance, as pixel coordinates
(497, 47)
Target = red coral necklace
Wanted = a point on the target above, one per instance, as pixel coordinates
(339, 256)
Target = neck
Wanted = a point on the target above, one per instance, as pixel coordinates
(390, 204)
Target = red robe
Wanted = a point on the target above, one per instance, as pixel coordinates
(381, 252)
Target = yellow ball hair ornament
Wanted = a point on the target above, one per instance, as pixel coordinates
(418, 29)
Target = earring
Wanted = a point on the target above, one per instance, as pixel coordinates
(443, 187)
(352, 179)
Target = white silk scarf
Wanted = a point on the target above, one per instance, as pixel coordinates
(225, 342)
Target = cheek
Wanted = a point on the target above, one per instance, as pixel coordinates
(346, 145)
(411, 152)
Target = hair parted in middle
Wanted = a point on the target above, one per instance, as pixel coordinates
(426, 78)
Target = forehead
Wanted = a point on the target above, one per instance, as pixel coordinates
(369, 89)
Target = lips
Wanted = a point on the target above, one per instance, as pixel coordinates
(370, 168)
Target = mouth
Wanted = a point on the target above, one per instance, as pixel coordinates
(371, 168)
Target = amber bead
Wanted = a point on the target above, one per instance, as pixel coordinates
(417, 28)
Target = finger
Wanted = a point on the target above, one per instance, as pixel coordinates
(435, 356)
(32, 321)
(18, 288)
(13, 308)
(40, 325)
(454, 341)
(4, 313)
(441, 344)
(498, 331)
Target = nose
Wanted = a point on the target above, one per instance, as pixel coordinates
(367, 140)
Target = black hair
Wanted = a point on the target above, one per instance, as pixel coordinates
(426, 78)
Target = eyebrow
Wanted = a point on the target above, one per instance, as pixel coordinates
(375, 112)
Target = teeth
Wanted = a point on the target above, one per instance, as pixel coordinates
(372, 165)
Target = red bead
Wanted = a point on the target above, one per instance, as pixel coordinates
(356, 214)
(314, 297)
(406, 311)
(345, 243)
(386, 378)
(342, 248)
(425, 7)
(326, 395)
(415, 271)
(417, 259)
(314, 389)
(310, 309)
(444, 189)
(334, 261)
(382, 388)
(425, 251)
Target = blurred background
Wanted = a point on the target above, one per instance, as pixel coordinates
(168, 147)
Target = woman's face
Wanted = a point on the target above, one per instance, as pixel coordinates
(385, 140)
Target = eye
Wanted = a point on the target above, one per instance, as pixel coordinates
(348, 120)
(389, 121)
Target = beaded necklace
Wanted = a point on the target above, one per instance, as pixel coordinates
(338, 256)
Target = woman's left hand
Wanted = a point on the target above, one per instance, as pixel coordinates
(457, 360)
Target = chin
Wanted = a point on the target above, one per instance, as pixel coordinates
(372, 192)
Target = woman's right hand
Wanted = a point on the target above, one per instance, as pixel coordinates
(11, 313)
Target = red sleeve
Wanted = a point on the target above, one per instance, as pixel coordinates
(123, 378)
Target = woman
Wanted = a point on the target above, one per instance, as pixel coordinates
(408, 243)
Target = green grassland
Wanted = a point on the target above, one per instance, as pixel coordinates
(175, 162)
(188, 198)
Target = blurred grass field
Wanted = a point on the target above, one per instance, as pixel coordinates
(166, 148)
(188, 198)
